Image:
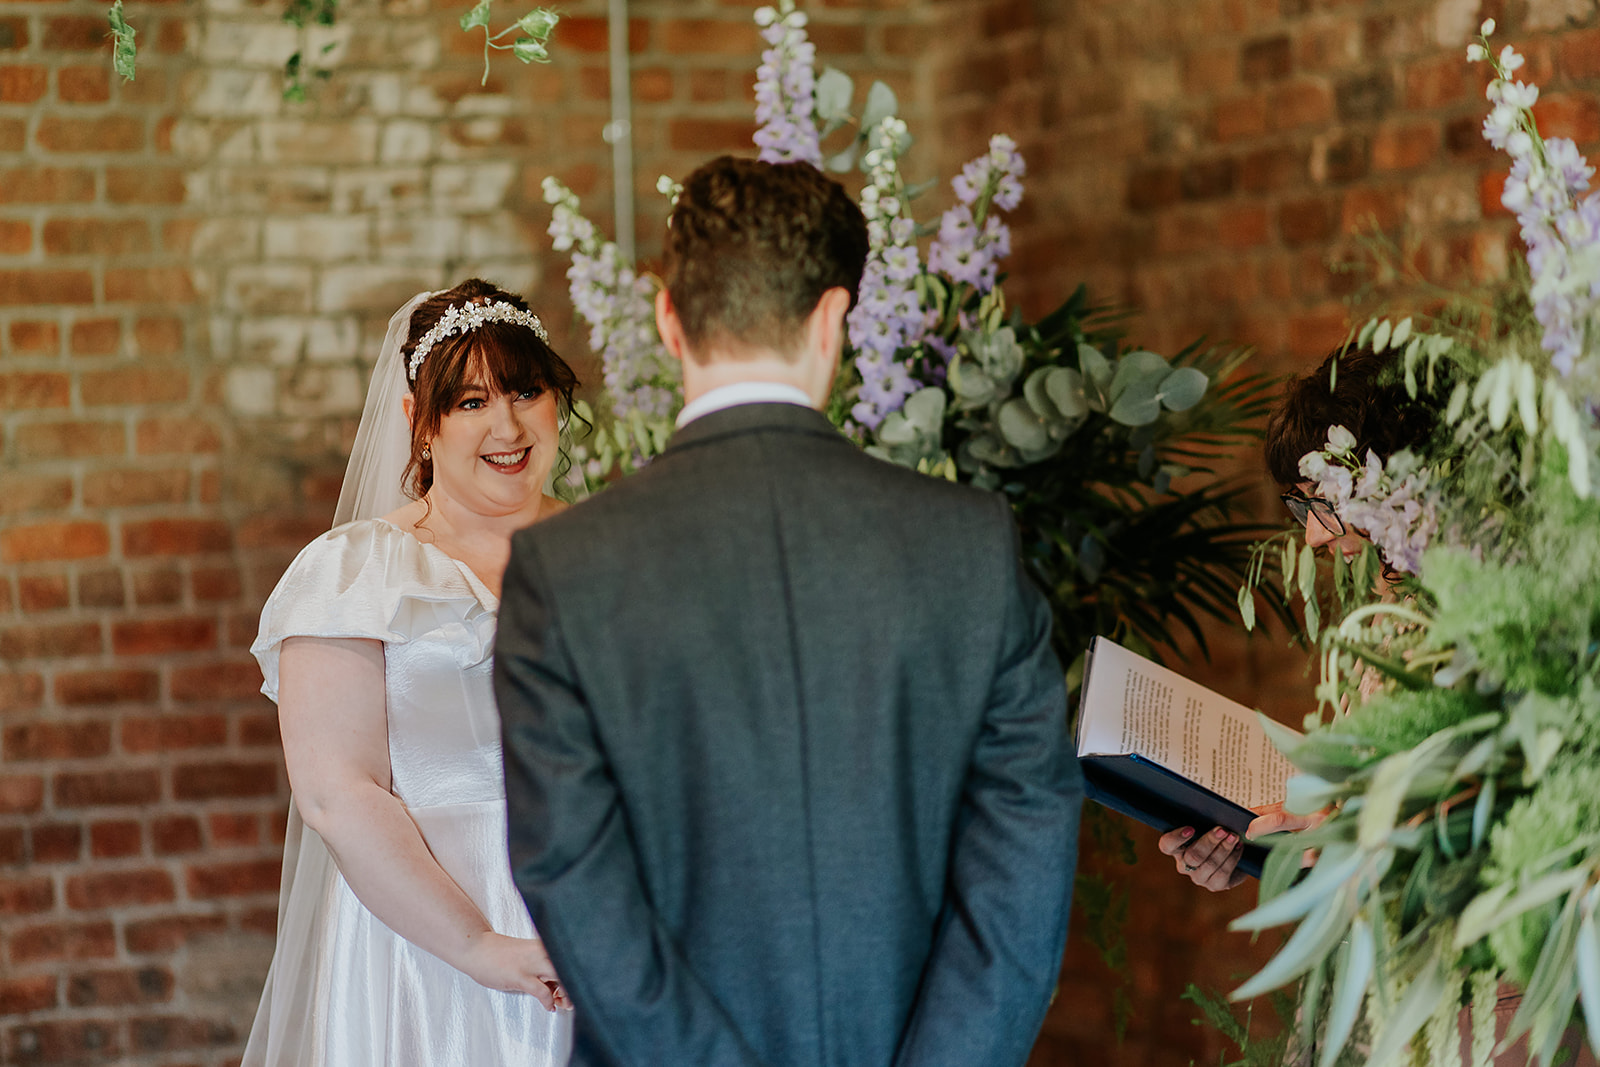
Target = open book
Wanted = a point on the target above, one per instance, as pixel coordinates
(1169, 752)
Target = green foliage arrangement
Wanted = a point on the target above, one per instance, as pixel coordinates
(1107, 452)
(1462, 844)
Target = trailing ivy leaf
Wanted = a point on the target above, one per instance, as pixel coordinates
(539, 23)
(124, 53)
(478, 16)
(530, 50)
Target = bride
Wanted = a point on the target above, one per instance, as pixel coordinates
(401, 938)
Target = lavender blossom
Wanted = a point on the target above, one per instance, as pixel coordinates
(889, 316)
(1560, 230)
(971, 242)
(786, 88)
(619, 307)
(1387, 502)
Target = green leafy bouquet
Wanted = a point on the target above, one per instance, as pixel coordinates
(1087, 438)
(1462, 843)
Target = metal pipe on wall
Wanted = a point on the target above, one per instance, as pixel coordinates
(619, 131)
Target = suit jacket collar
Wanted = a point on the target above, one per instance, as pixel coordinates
(752, 418)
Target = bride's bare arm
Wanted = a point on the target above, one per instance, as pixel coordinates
(333, 716)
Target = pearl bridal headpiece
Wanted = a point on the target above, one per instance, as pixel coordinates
(462, 318)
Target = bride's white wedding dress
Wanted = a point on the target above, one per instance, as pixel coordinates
(345, 990)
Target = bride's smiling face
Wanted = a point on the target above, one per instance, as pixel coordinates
(494, 450)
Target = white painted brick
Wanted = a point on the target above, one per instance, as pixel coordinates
(329, 340)
(380, 189)
(406, 141)
(499, 236)
(253, 43)
(518, 275)
(268, 288)
(234, 92)
(324, 238)
(222, 238)
(471, 188)
(276, 189)
(420, 237)
(251, 390)
(324, 142)
(277, 339)
(312, 391)
(373, 287)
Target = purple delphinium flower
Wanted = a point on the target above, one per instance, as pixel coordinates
(888, 318)
(619, 307)
(971, 240)
(1387, 502)
(786, 89)
(1560, 228)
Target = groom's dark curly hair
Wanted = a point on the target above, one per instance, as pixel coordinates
(751, 247)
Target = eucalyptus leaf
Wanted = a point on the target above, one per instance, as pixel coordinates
(1138, 405)
(1138, 367)
(1496, 906)
(1020, 427)
(834, 91)
(1588, 952)
(1420, 1001)
(1037, 395)
(1064, 386)
(1349, 990)
(925, 409)
(1095, 367)
(843, 161)
(881, 104)
(1147, 461)
(1334, 868)
(1311, 942)
(1183, 388)
(1091, 558)
(896, 429)
(1306, 794)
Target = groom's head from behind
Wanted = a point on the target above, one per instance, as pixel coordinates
(763, 260)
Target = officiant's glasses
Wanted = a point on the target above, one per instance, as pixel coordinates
(1300, 505)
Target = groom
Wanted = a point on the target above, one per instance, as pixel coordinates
(785, 742)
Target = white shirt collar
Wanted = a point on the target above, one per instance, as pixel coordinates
(728, 396)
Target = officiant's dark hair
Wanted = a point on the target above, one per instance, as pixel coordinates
(1354, 387)
(506, 357)
(751, 247)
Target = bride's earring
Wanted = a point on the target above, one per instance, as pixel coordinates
(427, 453)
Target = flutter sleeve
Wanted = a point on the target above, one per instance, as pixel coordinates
(370, 579)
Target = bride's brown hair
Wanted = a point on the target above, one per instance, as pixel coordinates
(503, 357)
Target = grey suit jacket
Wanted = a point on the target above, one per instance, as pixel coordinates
(786, 759)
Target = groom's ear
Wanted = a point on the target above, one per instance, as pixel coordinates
(670, 326)
(825, 325)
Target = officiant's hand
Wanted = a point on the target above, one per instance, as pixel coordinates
(516, 965)
(1212, 861)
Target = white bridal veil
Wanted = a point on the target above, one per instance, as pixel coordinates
(287, 1021)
